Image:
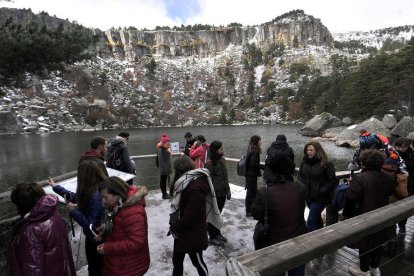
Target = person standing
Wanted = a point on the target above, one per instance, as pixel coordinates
(118, 156)
(163, 161)
(371, 189)
(318, 175)
(199, 151)
(125, 230)
(96, 153)
(189, 141)
(85, 207)
(285, 203)
(40, 243)
(219, 176)
(280, 145)
(193, 203)
(253, 168)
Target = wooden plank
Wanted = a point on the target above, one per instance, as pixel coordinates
(291, 253)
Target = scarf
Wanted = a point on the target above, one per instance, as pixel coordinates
(212, 210)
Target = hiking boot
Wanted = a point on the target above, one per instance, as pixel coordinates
(221, 238)
(215, 242)
(375, 271)
(165, 196)
(356, 271)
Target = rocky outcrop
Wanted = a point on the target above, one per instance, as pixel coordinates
(403, 127)
(319, 123)
(296, 30)
(9, 123)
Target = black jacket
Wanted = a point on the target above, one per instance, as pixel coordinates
(253, 164)
(219, 177)
(276, 148)
(286, 205)
(408, 158)
(320, 180)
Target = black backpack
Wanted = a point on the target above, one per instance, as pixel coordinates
(114, 158)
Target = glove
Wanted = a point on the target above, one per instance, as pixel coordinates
(352, 167)
(228, 196)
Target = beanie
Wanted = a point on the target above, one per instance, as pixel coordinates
(281, 138)
(391, 163)
(165, 138)
(367, 140)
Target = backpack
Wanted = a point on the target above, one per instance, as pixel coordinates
(114, 158)
(242, 166)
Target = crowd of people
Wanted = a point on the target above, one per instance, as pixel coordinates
(112, 212)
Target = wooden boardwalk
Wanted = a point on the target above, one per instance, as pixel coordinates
(334, 263)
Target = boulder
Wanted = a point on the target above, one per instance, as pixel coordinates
(411, 136)
(332, 132)
(403, 127)
(375, 126)
(389, 120)
(348, 137)
(347, 121)
(319, 123)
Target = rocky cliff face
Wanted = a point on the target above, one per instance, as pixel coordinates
(295, 30)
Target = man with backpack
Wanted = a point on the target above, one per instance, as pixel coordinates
(96, 153)
(118, 156)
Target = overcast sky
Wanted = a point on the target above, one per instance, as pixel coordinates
(338, 16)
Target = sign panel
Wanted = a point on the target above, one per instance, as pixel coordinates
(71, 183)
(175, 147)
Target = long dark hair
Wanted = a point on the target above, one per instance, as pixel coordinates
(182, 165)
(90, 175)
(25, 196)
(214, 155)
(254, 143)
(320, 153)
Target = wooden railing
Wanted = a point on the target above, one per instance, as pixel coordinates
(291, 253)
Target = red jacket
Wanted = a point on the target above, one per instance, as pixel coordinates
(40, 245)
(199, 154)
(126, 250)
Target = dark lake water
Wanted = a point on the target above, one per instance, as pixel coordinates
(35, 157)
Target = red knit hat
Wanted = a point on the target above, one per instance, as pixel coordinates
(165, 138)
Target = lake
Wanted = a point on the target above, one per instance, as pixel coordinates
(36, 157)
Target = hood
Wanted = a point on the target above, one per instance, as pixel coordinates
(44, 208)
(91, 153)
(117, 141)
(279, 144)
(136, 195)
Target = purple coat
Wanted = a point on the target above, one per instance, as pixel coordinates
(40, 245)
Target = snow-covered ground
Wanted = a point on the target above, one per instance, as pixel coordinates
(237, 228)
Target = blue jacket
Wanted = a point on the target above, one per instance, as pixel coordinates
(339, 197)
(93, 212)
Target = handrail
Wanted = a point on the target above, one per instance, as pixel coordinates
(288, 254)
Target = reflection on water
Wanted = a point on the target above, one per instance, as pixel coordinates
(35, 157)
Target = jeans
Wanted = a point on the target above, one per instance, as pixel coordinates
(163, 183)
(95, 260)
(213, 232)
(251, 190)
(315, 221)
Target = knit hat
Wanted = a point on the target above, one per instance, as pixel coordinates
(188, 135)
(165, 138)
(391, 163)
(367, 140)
(281, 138)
